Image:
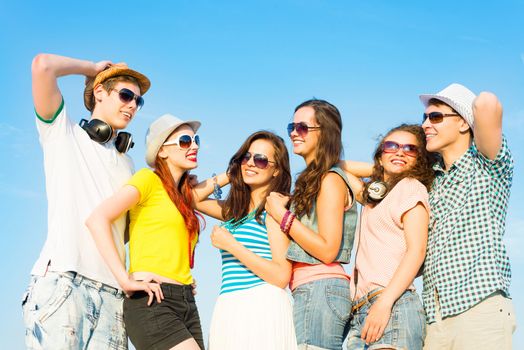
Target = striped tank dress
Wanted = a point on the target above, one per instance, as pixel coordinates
(252, 235)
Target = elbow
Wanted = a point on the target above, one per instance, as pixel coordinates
(91, 222)
(41, 63)
(282, 280)
(328, 257)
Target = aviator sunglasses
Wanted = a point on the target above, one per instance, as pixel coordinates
(259, 160)
(127, 96)
(301, 128)
(184, 141)
(393, 147)
(437, 117)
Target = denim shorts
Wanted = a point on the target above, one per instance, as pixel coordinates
(321, 313)
(406, 328)
(166, 324)
(68, 311)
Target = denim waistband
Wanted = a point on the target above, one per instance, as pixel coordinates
(78, 279)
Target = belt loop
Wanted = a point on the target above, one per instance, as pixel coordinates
(77, 278)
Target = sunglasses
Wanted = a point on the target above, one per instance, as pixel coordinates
(437, 117)
(127, 96)
(184, 141)
(259, 160)
(393, 147)
(301, 128)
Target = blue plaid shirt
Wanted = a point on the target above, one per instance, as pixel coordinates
(466, 259)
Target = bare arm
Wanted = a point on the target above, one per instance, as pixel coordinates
(276, 271)
(203, 190)
(330, 204)
(99, 223)
(46, 69)
(358, 169)
(415, 222)
(487, 111)
(357, 185)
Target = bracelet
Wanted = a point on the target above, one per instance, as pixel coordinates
(284, 221)
(217, 191)
(289, 222)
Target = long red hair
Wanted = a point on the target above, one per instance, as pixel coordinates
(181, 196)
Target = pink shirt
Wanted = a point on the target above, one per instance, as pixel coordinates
(381, 244)
(304, 273)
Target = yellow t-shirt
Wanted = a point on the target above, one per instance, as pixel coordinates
(158, 237)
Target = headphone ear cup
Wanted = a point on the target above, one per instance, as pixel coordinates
(124, 142)
(377, 190)
(97, 130)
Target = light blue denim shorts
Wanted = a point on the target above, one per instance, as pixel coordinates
(406, 328)
(321, 312)
(68, 311)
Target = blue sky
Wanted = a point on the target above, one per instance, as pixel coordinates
(241, 66)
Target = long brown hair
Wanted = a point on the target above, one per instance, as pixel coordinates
(180, 195)
(328, 152)
(236, 205)
(421, 171)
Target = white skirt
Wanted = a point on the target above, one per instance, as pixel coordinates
(256, 318)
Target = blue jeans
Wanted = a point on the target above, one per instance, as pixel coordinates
(321, 313)
(406, 328)
(68, 311)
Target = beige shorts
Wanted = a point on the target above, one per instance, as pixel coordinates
(488, 325)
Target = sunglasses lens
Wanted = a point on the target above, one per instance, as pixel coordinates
(139, 102)
(410, 150)
(184, 141)
(126, 95)
(301, 128)
(197, 140)
(390, 146)
(290, 128)
(434, 117)
(260, 161)
(245, 158)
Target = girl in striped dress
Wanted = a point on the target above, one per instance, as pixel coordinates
(253, 311)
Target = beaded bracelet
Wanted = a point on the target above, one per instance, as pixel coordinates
(217, 191)
(284, 221)
(289, 222)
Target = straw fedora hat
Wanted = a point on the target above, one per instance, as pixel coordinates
(159, 131)
(114, 70)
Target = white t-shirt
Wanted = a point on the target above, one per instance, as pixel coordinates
(80, 173)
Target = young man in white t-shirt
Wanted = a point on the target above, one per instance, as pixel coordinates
(73, 300)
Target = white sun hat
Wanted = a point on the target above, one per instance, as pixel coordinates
(458, 97)
(159, 131)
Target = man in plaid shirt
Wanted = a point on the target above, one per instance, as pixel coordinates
(467, 271)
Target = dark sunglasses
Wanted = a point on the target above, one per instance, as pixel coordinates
(301, 128)
(127, 96)
(393, 147)
(437, 117)
(184, 141)
(259, 160)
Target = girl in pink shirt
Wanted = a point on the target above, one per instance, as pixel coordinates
(391, 245)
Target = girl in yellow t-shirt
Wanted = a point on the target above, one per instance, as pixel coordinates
(160, 311)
